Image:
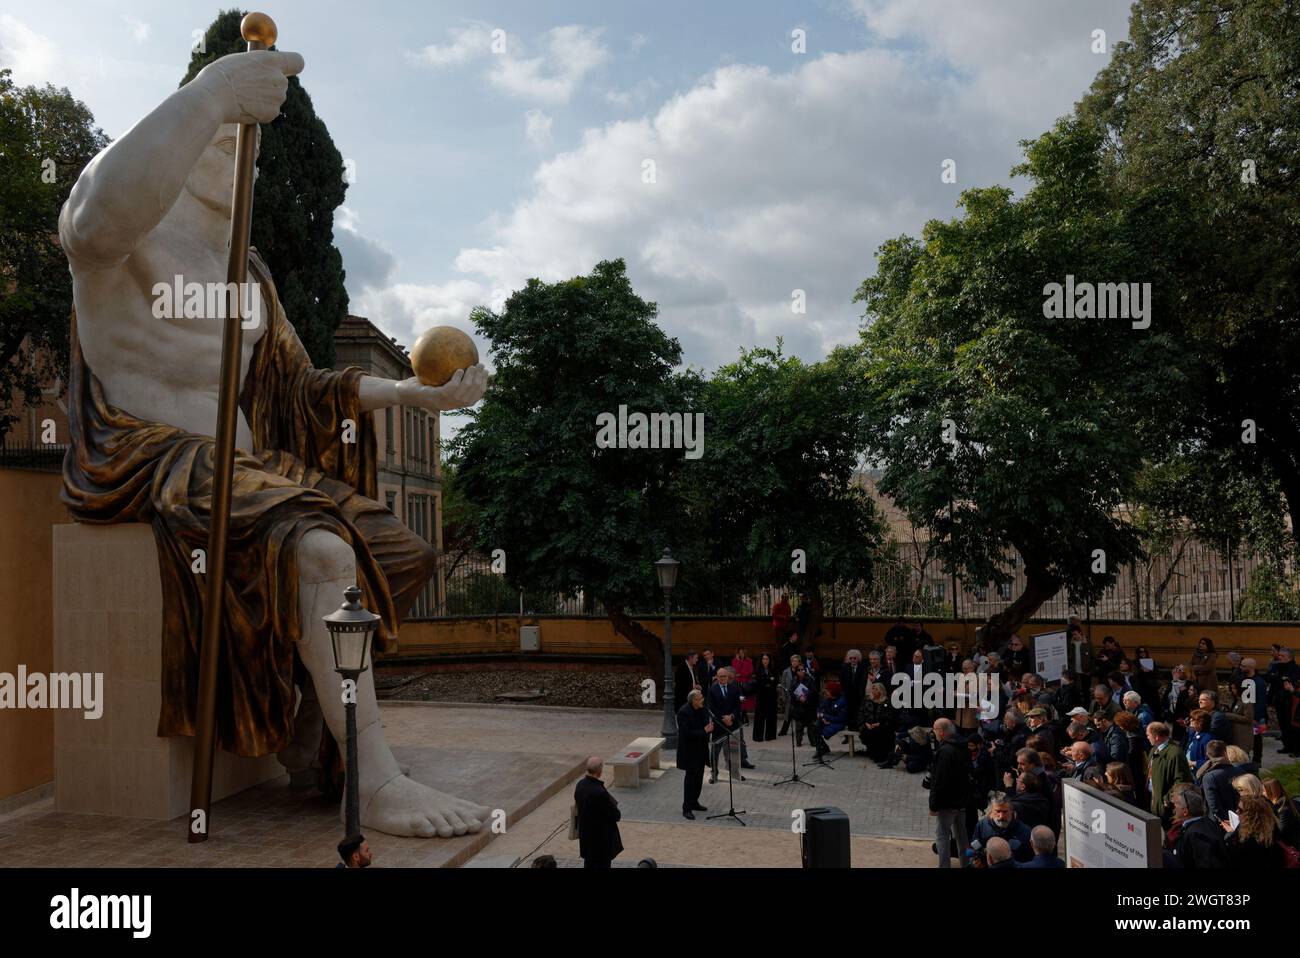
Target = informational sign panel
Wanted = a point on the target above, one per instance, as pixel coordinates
(1050, 655)
(1102, 831)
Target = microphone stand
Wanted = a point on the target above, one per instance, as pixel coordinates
(794, 762)
(731, 777)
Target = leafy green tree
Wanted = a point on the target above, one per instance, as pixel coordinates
(775, 491)
(1201, 104)
(572, 516)
(997, 427)
(1270, 597)
(299, 186)
(46, 139)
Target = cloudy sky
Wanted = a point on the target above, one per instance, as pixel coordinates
(479, 164)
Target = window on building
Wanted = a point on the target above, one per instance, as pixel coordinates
(1004, 591)
(388, 433)
(392, 503)
(940, 590)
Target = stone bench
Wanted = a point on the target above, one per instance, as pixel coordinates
(634, 763)
(108, 607)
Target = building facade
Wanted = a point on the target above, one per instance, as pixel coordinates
(409, 443)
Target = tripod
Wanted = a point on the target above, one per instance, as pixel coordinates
(731, 775)
(794, 762)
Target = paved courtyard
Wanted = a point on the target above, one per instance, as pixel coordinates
(525, 760)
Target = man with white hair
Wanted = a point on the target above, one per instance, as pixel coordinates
(724, 708)
(693, 731)
(853, 686)
(1133, 703)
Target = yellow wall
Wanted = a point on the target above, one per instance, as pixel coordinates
(29, 508)
(1170, 642)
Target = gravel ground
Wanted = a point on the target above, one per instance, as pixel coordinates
(618, 690)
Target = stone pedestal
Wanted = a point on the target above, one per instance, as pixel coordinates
(108, 618)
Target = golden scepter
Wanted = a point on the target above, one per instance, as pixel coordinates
(259, 31)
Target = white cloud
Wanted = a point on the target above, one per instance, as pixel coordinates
(30, 55)
(769, 181)
(1013, 54)
(537, 129)
(638, 95)
(568, 55)
(468, 43)
(139, 29)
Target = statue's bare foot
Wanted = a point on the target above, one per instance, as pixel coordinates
(405, 807)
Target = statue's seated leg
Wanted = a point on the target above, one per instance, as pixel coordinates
(299, 757)
(390, 802)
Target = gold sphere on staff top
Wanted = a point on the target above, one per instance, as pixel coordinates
(258, 28)
(439, 352)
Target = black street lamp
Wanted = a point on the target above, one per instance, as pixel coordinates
(666, 569)
(350, 630)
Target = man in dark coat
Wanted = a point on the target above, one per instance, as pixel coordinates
(690, 675)
(693, 729)
(949, 790)
(1216, 777)
(1200, 840)
(598, 838)
(853, 686)
(708, 670)
(724, 704)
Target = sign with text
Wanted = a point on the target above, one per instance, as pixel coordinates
(1102, 831)
(1049, 655)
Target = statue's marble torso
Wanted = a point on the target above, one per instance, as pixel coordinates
(160, 370)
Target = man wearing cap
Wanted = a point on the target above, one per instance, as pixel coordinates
(1038, 725)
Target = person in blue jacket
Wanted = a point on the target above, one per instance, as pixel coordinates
(1001, 822)
(830, 719)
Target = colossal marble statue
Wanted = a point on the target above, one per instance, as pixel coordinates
(155, 206)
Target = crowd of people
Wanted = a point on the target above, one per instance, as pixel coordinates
(1186, 749)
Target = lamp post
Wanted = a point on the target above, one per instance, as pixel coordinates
(666, 569)
(350, 629)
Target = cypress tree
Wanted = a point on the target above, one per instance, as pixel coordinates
(299, 185)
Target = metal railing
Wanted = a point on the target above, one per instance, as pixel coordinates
(43, 457)
(1190, 582)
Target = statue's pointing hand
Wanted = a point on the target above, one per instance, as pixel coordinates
(465, 388)
(251, 85)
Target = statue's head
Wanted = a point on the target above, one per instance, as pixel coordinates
(212, 181)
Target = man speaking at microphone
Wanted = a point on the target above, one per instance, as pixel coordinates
(693, 730)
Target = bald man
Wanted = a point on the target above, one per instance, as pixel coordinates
(598, 839)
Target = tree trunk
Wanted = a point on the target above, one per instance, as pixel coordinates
(1039, 587)
(646, 642)
(816, 615)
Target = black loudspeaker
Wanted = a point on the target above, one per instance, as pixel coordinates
(935, 658)
(825, 841)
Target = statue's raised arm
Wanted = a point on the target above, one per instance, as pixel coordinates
(128, 188)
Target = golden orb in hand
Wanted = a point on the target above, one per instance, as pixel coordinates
(439, 352)
(258, 28)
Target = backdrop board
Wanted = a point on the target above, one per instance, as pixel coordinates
(1102, 831)
(1050, 655)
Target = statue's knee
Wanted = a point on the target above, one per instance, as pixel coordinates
(324, 557)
